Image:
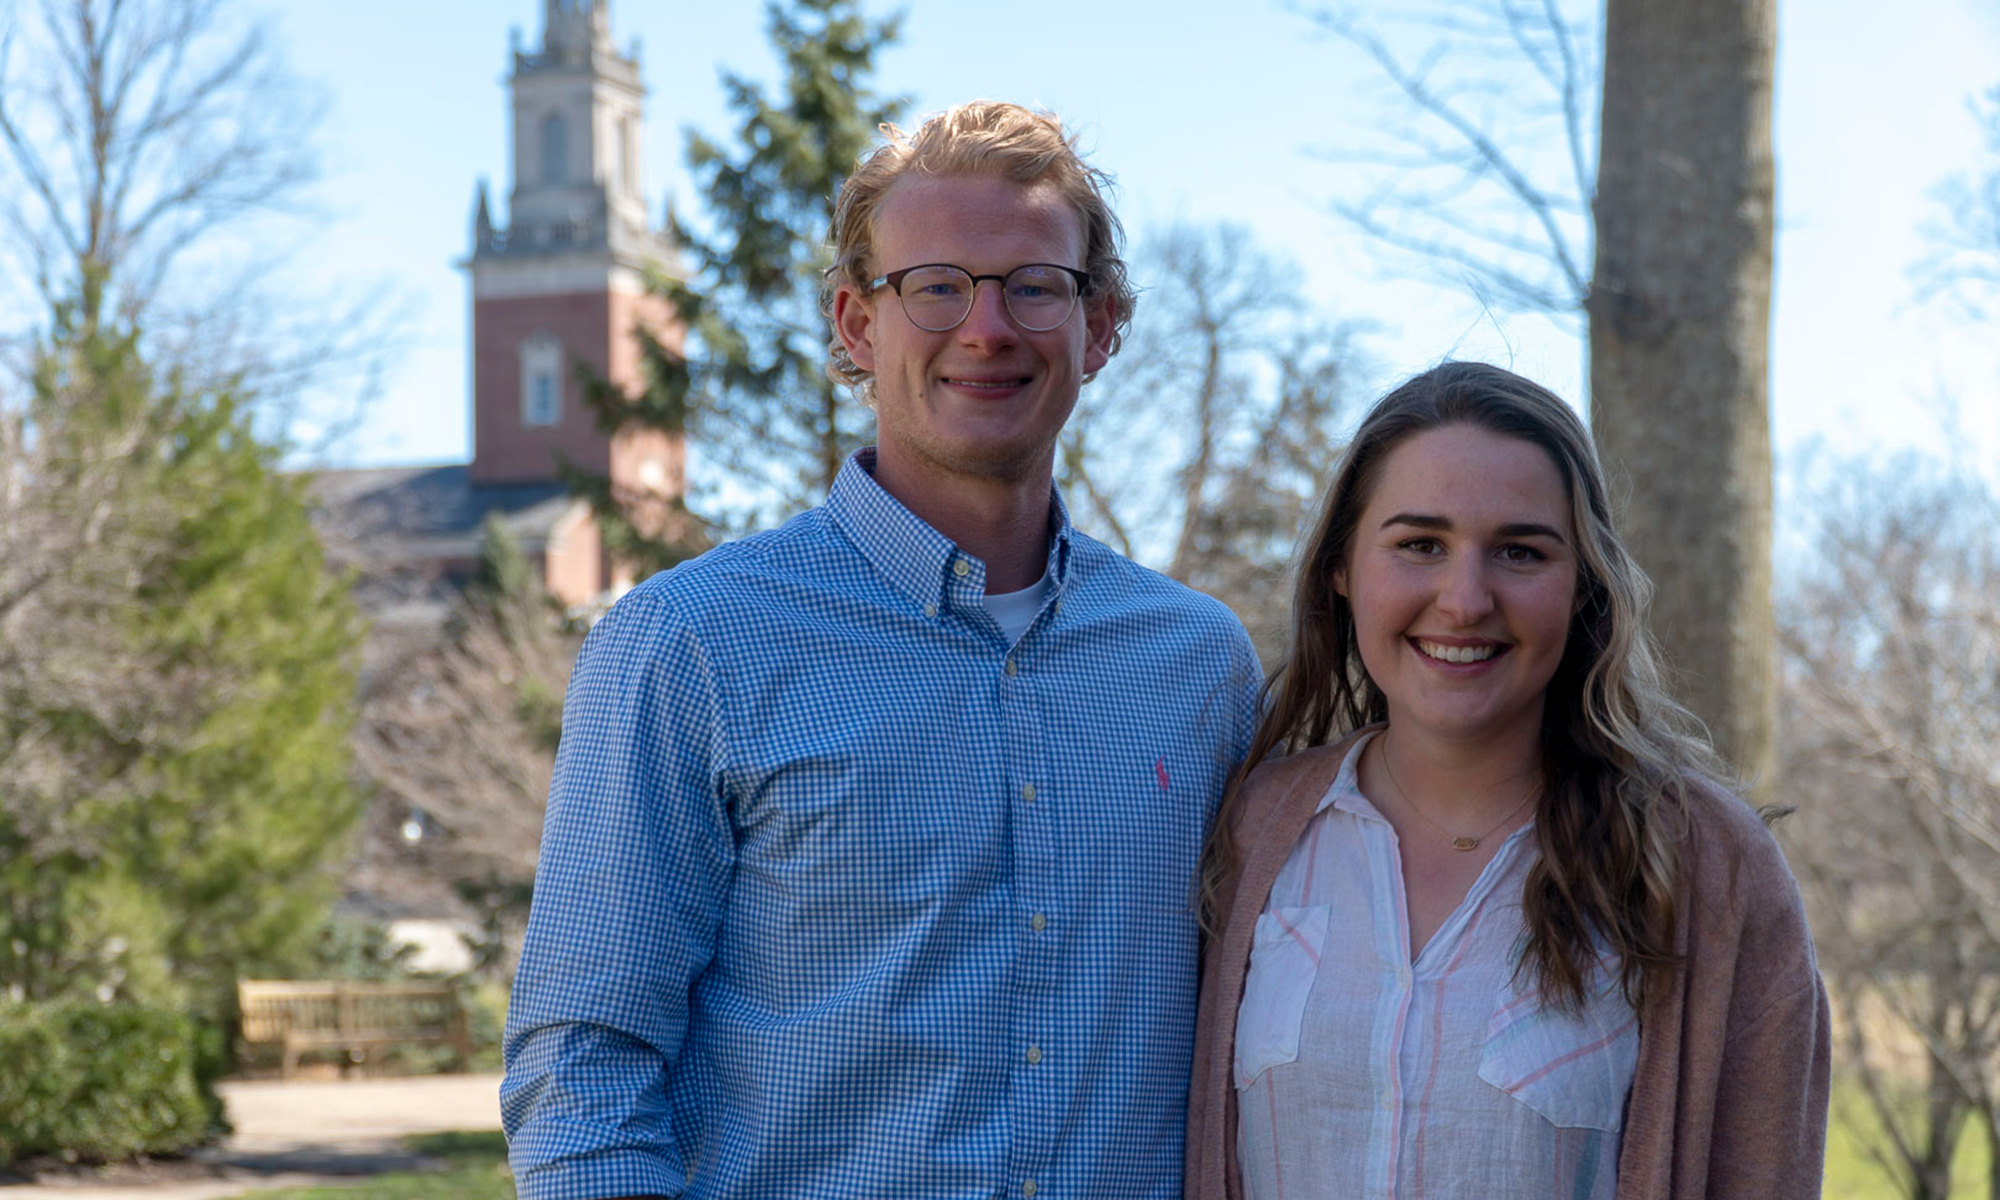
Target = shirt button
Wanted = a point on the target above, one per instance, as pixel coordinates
(1028, 1187)
(1034, 1055)
(1387, 1104)
(1028, 793)
(1038, 922)
(1011, 668)
(961, 568)
(930, 610)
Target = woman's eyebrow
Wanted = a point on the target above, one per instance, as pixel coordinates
(1513, 530)
(1532, 529)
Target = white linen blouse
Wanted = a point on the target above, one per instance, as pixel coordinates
(1363, 1074)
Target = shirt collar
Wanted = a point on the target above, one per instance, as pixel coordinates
(916, 559)
(1345, 793)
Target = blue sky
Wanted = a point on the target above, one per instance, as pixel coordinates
(1205, 112)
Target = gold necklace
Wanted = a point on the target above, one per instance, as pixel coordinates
(1458, 841)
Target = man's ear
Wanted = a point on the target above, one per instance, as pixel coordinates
(854, 321)
(1100, 326)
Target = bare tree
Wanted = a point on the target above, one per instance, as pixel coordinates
(70, 537)
(145, 146)
(1481, 179)
(1964, 262)
(135, 129)
(1891, 644)
(457, 733)
(1658, 230)
(70, 687)
(1204, 447)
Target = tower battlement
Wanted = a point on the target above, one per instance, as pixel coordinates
(558, 282)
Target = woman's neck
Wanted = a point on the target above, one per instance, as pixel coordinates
(1470, 779)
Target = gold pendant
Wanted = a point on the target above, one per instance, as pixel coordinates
(1464, 843)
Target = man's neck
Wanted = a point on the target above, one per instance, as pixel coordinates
(1002, 522)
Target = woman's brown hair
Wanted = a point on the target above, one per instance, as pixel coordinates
(1615, 745)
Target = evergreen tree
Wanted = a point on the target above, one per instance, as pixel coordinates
(752, 384)
(179, 673)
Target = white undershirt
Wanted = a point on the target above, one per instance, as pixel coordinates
(1015, 611)
(1363, 1074)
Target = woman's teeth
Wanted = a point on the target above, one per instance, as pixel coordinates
(1457, 654)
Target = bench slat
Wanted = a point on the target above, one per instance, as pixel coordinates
(299, 1014)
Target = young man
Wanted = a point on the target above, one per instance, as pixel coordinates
(870, 858)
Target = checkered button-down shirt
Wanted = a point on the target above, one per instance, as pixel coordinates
(841, 894)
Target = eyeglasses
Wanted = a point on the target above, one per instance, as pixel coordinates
(938, 296)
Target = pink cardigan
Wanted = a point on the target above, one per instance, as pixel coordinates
(1730, 1095)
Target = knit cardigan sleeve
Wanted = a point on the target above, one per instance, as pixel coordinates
(1730, 1095)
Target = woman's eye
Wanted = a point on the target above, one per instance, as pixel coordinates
(1520, 554)
(1419, 545)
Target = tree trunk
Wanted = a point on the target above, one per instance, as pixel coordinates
(1679, 342)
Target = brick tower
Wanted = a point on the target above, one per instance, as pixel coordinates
(563, 280)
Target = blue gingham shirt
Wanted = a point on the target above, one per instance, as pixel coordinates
(842, 895)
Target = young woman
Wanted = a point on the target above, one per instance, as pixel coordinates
(1482, 922)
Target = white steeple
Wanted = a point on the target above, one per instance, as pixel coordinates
(578, 170)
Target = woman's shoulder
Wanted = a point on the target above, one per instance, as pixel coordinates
(1722, 829)
(1734, 861)
(1284, 790)
(1282, 774)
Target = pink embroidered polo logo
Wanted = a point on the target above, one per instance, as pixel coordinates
(1160, 773)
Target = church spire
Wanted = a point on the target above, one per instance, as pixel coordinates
(573, 29)
(482, 219)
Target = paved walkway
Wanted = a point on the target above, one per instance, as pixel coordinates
(303, 1134)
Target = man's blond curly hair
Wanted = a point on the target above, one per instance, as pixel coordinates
(988, 138)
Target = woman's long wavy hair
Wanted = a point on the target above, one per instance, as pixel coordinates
(1615, 745)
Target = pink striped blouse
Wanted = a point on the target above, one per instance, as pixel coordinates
(1362, 1074)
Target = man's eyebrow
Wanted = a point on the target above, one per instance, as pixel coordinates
(1514, 530)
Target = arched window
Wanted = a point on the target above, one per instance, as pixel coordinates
(541, 381)
(555, 149)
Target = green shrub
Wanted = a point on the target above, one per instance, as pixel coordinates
(486, 1018)
(90, 1082)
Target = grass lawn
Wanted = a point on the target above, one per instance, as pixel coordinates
(477, 1171)
(1852, 1175)
(478, 1168)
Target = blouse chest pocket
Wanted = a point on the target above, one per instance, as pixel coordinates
(1574, 1069)
(1284, 962)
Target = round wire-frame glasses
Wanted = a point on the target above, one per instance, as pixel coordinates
(937, 297)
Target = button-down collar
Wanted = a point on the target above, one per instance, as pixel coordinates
(917, 560)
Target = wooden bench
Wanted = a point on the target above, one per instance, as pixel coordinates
(299, 1015)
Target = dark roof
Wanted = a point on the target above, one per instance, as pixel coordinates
(405, 514)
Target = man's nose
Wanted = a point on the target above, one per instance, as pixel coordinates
(989, 322)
